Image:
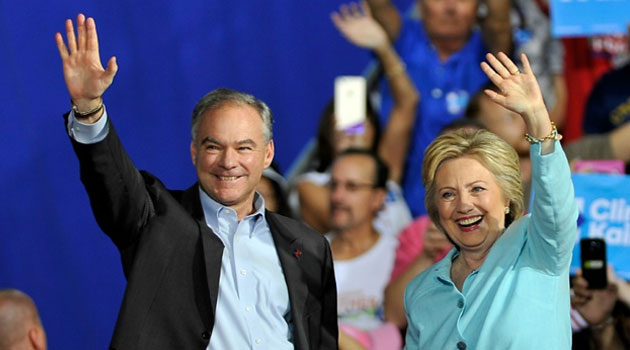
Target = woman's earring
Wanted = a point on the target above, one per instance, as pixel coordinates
(507, 210)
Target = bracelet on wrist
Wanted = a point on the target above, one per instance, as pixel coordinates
(79, 113)
(553, 135)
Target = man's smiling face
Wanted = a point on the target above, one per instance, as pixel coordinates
(230, 153)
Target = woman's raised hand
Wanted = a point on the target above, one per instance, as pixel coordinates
(519, 92)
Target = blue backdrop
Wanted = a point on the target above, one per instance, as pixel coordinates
(169, 54)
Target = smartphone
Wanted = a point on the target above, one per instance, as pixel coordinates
(350, 101)
(593, 256)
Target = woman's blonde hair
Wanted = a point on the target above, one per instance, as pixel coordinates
(490, 150)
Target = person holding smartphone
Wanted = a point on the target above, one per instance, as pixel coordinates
(310, 196)
(505, 285)
(600, 317)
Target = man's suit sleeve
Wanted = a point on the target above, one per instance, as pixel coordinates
(116, 189)
(329, 327)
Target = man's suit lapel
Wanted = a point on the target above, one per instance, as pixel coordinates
(212, 245)
(289, 247)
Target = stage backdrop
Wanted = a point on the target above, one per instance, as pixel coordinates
(170, 53)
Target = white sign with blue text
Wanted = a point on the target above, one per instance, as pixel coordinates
(604, 204)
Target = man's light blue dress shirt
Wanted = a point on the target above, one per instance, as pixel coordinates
(253, 307)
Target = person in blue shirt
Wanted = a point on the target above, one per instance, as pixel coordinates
(505, 285)
(441, 50)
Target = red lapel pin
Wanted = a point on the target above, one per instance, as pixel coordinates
(297, 253)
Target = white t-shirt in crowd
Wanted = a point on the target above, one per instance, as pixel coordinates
(361, 284)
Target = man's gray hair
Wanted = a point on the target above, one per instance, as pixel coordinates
(219, 97)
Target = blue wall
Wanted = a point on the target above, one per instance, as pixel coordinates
(169, 54)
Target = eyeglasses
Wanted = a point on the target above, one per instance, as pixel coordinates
(350, 186)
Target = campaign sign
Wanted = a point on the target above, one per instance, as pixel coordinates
(589, 17)
(604, 204)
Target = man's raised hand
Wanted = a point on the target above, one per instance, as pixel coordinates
(85, 77)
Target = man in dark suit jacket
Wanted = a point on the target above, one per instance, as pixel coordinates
(207, 268)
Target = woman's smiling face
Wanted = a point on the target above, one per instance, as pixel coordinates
(470, 204)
